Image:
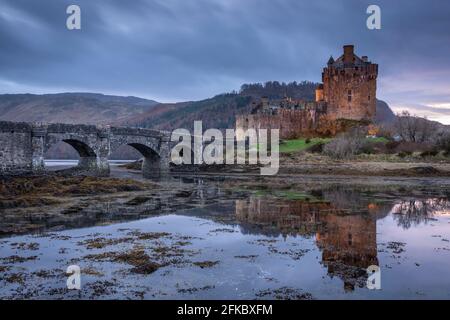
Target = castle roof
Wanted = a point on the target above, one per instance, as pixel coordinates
(357, 61)
(349, 58)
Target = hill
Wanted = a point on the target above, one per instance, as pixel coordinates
(384, 114)
(88, 108)
(217, 112)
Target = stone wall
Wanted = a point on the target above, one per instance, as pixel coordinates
(15, 147)
(291, 123)
(296, 124)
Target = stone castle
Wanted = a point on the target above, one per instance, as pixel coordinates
(347, 95)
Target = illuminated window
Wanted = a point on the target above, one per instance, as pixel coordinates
(349, 95)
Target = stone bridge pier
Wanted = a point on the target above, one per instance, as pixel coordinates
(24, 145)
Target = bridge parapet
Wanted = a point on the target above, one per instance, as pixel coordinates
(8, 126)
(71, 128)
(137, 132)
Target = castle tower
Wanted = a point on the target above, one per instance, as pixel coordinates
(349, 86)
(319, 93)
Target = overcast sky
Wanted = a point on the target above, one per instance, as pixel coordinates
(175, 50)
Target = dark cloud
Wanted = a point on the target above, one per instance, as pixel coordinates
(176, 50)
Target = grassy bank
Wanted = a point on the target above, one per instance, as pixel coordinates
(296, 145)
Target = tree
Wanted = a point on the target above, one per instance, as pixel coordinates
(412, 128)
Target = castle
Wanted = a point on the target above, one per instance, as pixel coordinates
(347, 94)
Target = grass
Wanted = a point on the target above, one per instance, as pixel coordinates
(296, 145)
(377, 139)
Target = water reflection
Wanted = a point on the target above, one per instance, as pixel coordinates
(289, 243)
(78, 212)
(343, 223)
(414, 212)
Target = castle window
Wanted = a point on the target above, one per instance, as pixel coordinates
(368, 97)
(349, 95)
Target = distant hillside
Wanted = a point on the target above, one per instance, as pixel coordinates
(88, 108)
(275, 90)
(217, 112)
(220, 111)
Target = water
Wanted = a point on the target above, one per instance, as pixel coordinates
(260, 244)
(63, 163)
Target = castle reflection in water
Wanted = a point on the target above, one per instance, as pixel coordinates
(343, 224)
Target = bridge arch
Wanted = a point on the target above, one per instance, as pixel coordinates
(147, 146)
(86, 145)
(82, 148)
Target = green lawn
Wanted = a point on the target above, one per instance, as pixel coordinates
(377, 139)
(296, 145)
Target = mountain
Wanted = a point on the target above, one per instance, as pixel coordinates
(217, 112)
(88, 108)
(384, 114)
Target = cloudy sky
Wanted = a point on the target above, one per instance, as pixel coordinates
(175, 50)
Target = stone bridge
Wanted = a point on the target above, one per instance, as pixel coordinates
(23, 146)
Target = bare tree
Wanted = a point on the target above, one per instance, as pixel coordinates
(412, 128)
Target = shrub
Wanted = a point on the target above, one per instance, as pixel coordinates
(316, 148)
(367, 148)
(345, 145)
(443, 143)
(404, 154)
(429, 153)
(308, 140)
(391, 146)
(411, 147)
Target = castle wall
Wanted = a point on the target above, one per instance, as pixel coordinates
(291, 123)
